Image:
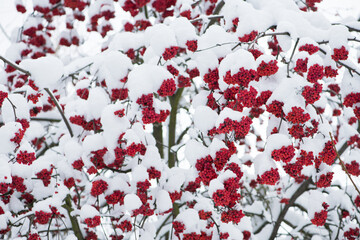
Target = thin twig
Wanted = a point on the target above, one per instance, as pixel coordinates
(13, 106)
(342, 164)
(60, 110)
(292, 55)
(4, 32)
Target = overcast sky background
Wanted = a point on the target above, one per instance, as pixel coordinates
(10, 19)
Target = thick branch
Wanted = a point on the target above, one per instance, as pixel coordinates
(73, 220)
(174, 102)
(158, 135)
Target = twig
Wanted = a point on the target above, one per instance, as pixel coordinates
(45, 119)
(214, 17)
(4, 32)
(348, 67)
(13, 106)
(342, 164)
(60, 111)
(14, 65)
(292, 55)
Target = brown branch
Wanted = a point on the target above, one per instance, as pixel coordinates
(73, 220)
(60, 110)
(342, 164)
(14, 65)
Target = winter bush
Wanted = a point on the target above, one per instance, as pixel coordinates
(180, 119)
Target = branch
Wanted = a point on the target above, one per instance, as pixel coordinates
(4, 32)
(14, 65)
(158, 135)
(292, 55)
(73, 220)
(60, 111)
(213, 17)
(174, 102)
(303, 188)
(348, 67)
(216, 12)
(45, 119)
(342, 164)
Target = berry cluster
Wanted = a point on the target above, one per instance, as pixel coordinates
(242, 78)
(267, 69)
(98, 187)
(284, 153)
(340, 54)
(310, 48)
(94, 124)
(270, 177)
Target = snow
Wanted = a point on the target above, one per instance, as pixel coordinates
(7, 132)
(124, 41)
(292, 86)
(277, 141)
(97, 101)
(184, 30)
(215, 185)
(234, 231)
(215, 146)
(160, 37)
(45, 71)
(16, 109)
(206, 60)
(338, 36)
(228, 113)
(233, 62)
(139, 174)
(175, 179)
(263, 163)
(92, 143)
(111, 66)
(152, 158)
(88, 211)
(316, 199)
(163, 201)
(195, 150)
(216, 35)
(71, 148)
(132, 202)
(145, 79)
(204, 118)
(190, 218)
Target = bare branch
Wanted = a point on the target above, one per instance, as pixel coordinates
(60, 110)
(14, 65)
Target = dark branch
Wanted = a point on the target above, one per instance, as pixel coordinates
(60, 111)
(14, 65)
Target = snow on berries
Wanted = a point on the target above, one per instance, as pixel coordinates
(189, 120)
